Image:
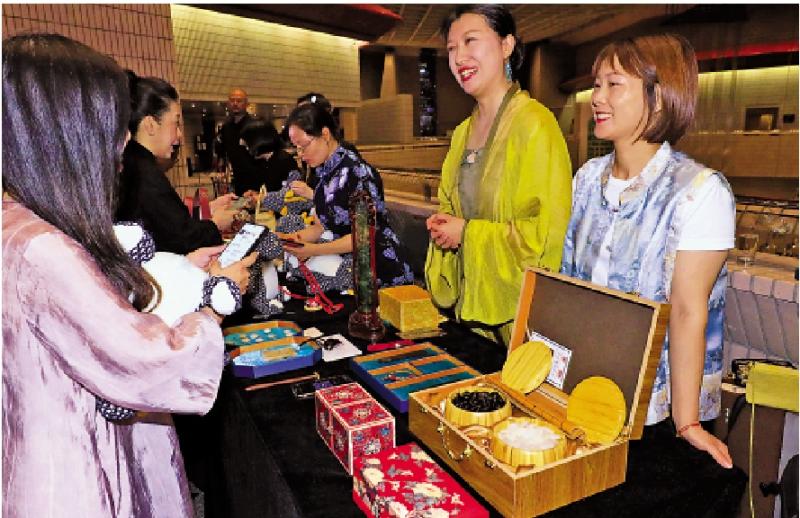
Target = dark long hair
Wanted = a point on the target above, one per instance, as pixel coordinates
(65, 116)
(261, 137)
(149, 96)
(498, 18)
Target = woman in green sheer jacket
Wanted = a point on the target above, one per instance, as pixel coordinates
(505, 190)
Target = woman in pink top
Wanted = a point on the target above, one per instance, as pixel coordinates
(72, 329)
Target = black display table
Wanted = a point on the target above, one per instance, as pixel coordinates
(258, 453)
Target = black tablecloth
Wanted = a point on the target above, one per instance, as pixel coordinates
(258, 454)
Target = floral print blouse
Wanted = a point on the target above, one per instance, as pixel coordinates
(342, 174)
(644, 244)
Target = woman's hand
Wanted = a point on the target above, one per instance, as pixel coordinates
(252, 198)
(704, 441)
(446, 230)
(303, 250)
(238, 272)
(432, 220)
(221, 202)
(302, 189)
(693, 278)
(223, 219)
(202, 257)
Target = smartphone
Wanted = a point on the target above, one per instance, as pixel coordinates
(289, 243)
(242, 243)
(306, 389)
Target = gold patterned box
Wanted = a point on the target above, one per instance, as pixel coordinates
(408, 308)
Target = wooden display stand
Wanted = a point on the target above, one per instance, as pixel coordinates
(611, 334)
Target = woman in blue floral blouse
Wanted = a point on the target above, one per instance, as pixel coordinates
(340, 173)
(650, 220)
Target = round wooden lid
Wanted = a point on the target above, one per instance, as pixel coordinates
(597, 406)
(527, 366)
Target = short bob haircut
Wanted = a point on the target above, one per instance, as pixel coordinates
(667, 66)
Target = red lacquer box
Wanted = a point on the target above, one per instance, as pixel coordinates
(352, 423)
(406, 482)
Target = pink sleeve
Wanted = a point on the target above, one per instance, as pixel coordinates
(130, 358)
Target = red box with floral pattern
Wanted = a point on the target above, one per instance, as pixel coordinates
(352, 423)
(405, 482)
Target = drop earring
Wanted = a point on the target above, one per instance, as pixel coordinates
(508, 71)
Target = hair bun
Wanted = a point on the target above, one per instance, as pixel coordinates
(133, 79)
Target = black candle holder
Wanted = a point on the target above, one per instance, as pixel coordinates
(364, 322)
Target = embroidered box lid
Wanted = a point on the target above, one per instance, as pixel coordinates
(343, 394)
(405, 481)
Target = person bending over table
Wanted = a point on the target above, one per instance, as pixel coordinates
(504, 193)
(341, 173)
(73, 330)
(650, 220)
(145, 192)
(265, 145)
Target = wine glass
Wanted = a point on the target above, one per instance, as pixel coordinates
(748, 244)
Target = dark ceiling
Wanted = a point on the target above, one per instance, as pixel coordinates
(359, 21)
(572, 24)
(417, 25)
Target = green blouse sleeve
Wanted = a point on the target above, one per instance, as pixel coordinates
(443, 267)
(529, 232)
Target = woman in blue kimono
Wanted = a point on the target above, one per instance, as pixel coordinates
(340, 173)
(650, 220)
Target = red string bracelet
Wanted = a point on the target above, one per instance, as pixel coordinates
(685, 427)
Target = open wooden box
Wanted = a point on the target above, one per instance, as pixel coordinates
(611, 334)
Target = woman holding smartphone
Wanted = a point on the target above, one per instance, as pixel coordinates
(74, 332)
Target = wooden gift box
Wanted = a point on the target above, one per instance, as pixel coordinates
(395, 373)
(405, 480)
(352, 423)
(611, 334)
(408, 308)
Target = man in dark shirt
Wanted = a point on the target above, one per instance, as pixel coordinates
(247, 175)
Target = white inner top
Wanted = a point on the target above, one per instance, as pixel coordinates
(709, 221)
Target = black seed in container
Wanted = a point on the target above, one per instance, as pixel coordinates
(479, 401)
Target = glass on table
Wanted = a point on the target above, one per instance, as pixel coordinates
(791, 248)
(747, 243)
(780, 236)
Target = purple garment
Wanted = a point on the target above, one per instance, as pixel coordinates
(68, 336)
